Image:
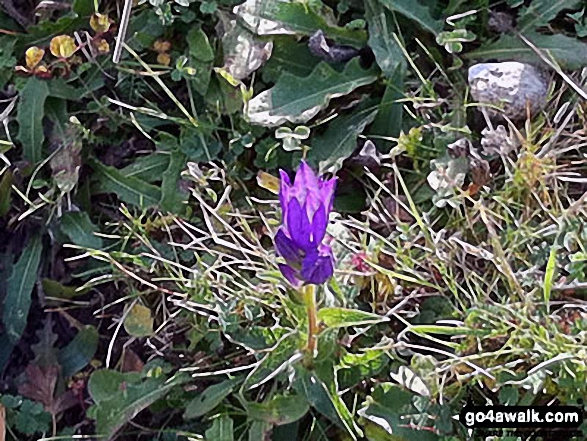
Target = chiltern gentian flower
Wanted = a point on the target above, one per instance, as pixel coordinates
(305, 208)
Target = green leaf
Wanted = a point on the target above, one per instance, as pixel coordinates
(221, 430)
(388, 121)
(19, 287)
(279, 410)
(119, 397)
(147, 168)
(393, 404)
(569, 52)
(79, 352)
(53, 288)
(388, 53)
(296, 18)
(201, 55)
(342, 317)
(325, 400)
(260, 430)
(138, 321)
(30, 118)
(339, 140)
(540, 12)
(290, 56)
(6, 192)
(172, 197)
(129, 189)
(79, 228)
(549, 274)
(417, 11)
(83, 7)
(209, 399)
(298, 99)
(58, 88)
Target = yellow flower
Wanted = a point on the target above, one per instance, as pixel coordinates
(62, 46)
(33, 56)
(100, 23)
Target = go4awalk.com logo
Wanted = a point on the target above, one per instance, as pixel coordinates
(517, 417)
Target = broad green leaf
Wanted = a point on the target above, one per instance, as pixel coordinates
(339, 140)
(79, 228)
(58, 88)
(342, 317)
(569, 52)
(171, 195)
(291, 17)
(388, 121)
(30, 118)
(119, 397)
(283, 355)
(540, 12)
(416, 10)
(279, 410)
(129, 189)
(391, 408)
(325, 400)
(19, 287)
(147, 168)
(201, 56)
(221, 430)
(290, 56)
(79, 352)
(388, 54)
(209, 399)
(298, 99)
(138, 321)
(83, 7)
(259, 430)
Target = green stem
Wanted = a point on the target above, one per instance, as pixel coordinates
(309, 296)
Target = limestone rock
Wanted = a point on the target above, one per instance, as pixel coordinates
(510, 85)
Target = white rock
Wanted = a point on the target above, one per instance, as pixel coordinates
(510, 86)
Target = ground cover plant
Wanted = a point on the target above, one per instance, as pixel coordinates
(287, 219)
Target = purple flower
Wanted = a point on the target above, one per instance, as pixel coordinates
(305, 208)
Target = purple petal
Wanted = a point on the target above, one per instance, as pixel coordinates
(298, 224)
(284, 191)
(306, 178)
(286, 248)
(319, 224)
(317, 269)
(290, 274)
(327, 193)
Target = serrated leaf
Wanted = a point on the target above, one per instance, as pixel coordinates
(138, 321)
(79, 352)
(569, 52)
(297, 100)
(129, 189)
(287, 17)
(342, 317)
(30, 118)
(19, 287)
(540, 12)
(79, 228)
(209, 399)
(339, 140)
(417, 11)
(147, 168)
(388, 54)
(221, 430)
